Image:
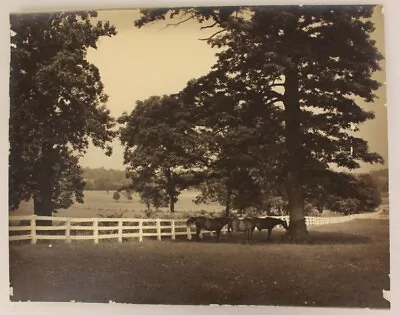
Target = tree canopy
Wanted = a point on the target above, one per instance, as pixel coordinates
(161, 147)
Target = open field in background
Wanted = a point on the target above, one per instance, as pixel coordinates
(101, 203)
(353, 257)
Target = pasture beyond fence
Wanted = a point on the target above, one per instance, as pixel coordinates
(95, 229)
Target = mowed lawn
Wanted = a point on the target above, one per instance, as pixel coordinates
(346, 266)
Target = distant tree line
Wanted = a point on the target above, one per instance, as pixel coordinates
(103, 179)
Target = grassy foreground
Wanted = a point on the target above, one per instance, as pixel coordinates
(346, 266)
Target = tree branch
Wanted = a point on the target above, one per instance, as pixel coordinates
(276, 99)
(275, 84)
(216, 33)
(208, 26)
(180, 22)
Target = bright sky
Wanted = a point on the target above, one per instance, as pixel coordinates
(155, 60)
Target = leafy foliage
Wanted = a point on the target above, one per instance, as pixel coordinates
(57, 106)
(161, 149)
(344, 193)
(295, 64)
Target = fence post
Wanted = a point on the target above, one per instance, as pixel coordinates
(120, 231)
(68, 231)
(140, 230)
(96, 231)
(189, 233)
(158, 224)
(172, 229)
(33, 230)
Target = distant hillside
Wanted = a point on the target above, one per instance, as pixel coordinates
(103, 179)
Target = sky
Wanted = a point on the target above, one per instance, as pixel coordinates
(159, 59)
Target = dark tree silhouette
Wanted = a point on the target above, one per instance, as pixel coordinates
(57, 106)
(161, 148)
(315, 64)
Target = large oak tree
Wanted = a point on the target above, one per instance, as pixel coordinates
(57, 106)
(316, 63)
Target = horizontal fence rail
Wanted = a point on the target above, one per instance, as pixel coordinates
(68, 229)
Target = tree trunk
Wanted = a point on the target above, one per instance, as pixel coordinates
(297, 227)
(171, 204)
(43, 207)
(228, 201)
(43, 203)
(171, 189)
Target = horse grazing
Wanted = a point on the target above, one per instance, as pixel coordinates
(245, 225)
(269, 223)
(209, 224)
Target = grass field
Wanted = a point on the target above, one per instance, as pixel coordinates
(101, 203)
(346, 266)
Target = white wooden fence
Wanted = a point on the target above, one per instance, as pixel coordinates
(95, 229)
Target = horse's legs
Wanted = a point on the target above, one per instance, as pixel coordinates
(252, 231)
(198, 234)
(269, 234)
(218, 233)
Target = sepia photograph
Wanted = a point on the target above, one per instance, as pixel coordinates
(203, 155)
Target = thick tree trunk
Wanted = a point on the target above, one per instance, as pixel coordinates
(43, 203)
(297, 227)
(297, 224)
(43, 207)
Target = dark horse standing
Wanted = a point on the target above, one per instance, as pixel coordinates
(269, 223)
(209, 224)
(245, 225)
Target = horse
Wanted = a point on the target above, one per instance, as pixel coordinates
(245, 225)
(269, 223)
(209, 224)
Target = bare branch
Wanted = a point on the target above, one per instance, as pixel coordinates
(216, 33)
(208, 26)
(274, 100)
(180, 22)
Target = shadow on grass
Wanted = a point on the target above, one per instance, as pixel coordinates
(338, 238)
(317, 238)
